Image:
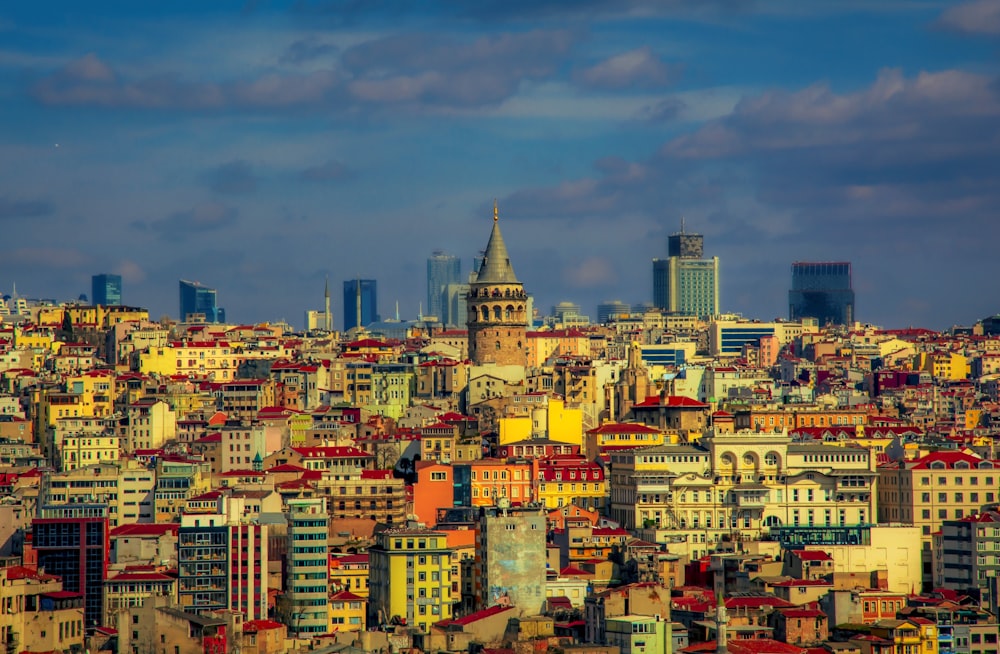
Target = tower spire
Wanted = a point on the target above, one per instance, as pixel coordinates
(496, 211)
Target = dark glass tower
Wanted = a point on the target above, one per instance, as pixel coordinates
(442, 269)
(360, 294)
(199, 300)
(822, 290)
(106, 290)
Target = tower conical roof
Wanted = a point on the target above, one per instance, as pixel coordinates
(496, 267)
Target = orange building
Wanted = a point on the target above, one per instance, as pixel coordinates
(797, 418)
(435, 489)
(493, 479)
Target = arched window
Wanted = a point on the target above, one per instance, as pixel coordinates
(498, 345)
(486, 313)
(496, 313)
(508, 313)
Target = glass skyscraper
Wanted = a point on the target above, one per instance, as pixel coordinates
(363, 294)
(442, 269)
(685, 282)
(822, 290)
(197, 300)
(106, 290)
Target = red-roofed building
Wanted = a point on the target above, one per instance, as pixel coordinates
(940, 486)
(487, 625)
(673, 413)
(263, 637)
(562, 480)
(37, 611)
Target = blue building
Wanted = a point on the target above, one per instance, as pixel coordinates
(822, 290)
(199, 301)
(442, 269)
(360, 294)
(106, 290)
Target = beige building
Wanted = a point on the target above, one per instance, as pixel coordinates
(125, 487)
(372, 494)
(741, 483)
(87, 449)
(891, 551)
(151, 423)
(36, 614)
(936, 487)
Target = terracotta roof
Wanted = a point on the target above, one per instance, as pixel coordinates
(475, 617)
(812, 555)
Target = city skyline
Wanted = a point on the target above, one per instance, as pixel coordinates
(348, 142)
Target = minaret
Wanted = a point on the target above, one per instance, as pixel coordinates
(721, 627)
(497, 306)
(327, 315)
(357, 300)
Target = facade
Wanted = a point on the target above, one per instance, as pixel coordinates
(497, 307)
(442, 269)
(360, 303)
(222, 562)
(510, 546)
(746, 482)
(72, 542)
(307, 579)
(38, 615)
(612, 309)
(928, 491)
(639, 634)
(969, 555)
(199, 302)
(410, 579)
(106, 290)
(687, 286)
(823, 291)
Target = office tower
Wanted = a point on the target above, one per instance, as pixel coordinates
(454, 304)
(685, 282)
(687, 286)
(72, 542)
(497, 307)
(198, 302)
(222, 562)
(410, 573)
(308, 575)
(511, 548)
(360, 301)
(612, 309)
(822, 290)
(106, 290)
(442, 269)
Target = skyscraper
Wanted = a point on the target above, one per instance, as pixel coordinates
(822, 290)
(198, 301)
(308, 579)
(106, 290)
(442, 269)
(360, 300)
(611, 309)
(685, 282)
(497, 305)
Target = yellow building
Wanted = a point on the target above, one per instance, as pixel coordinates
(565, 479)
(209, 359)
(550, 419)
(350, 572)
(87, 449)
(614, 435)
(37, 615)
(126, 487)
(97, 389)
(94, 317)
(347, 612)
(419, 561)
(911, 636)
(942, 365)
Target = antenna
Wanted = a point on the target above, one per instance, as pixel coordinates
(682, 224)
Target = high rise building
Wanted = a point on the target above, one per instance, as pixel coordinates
(611, 309)
(442, 269)
(360, 301)
(822, 290)
(106, 290)
(308, 575)
(511, 548)
(72, 542)
(222, 561)
(497, 307)
(198, 302)
(410, 573)
(685, 282)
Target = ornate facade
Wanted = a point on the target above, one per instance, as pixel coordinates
(497, 307)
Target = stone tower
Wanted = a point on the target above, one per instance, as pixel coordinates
(497, 307)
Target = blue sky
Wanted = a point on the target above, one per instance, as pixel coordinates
(260, 146)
